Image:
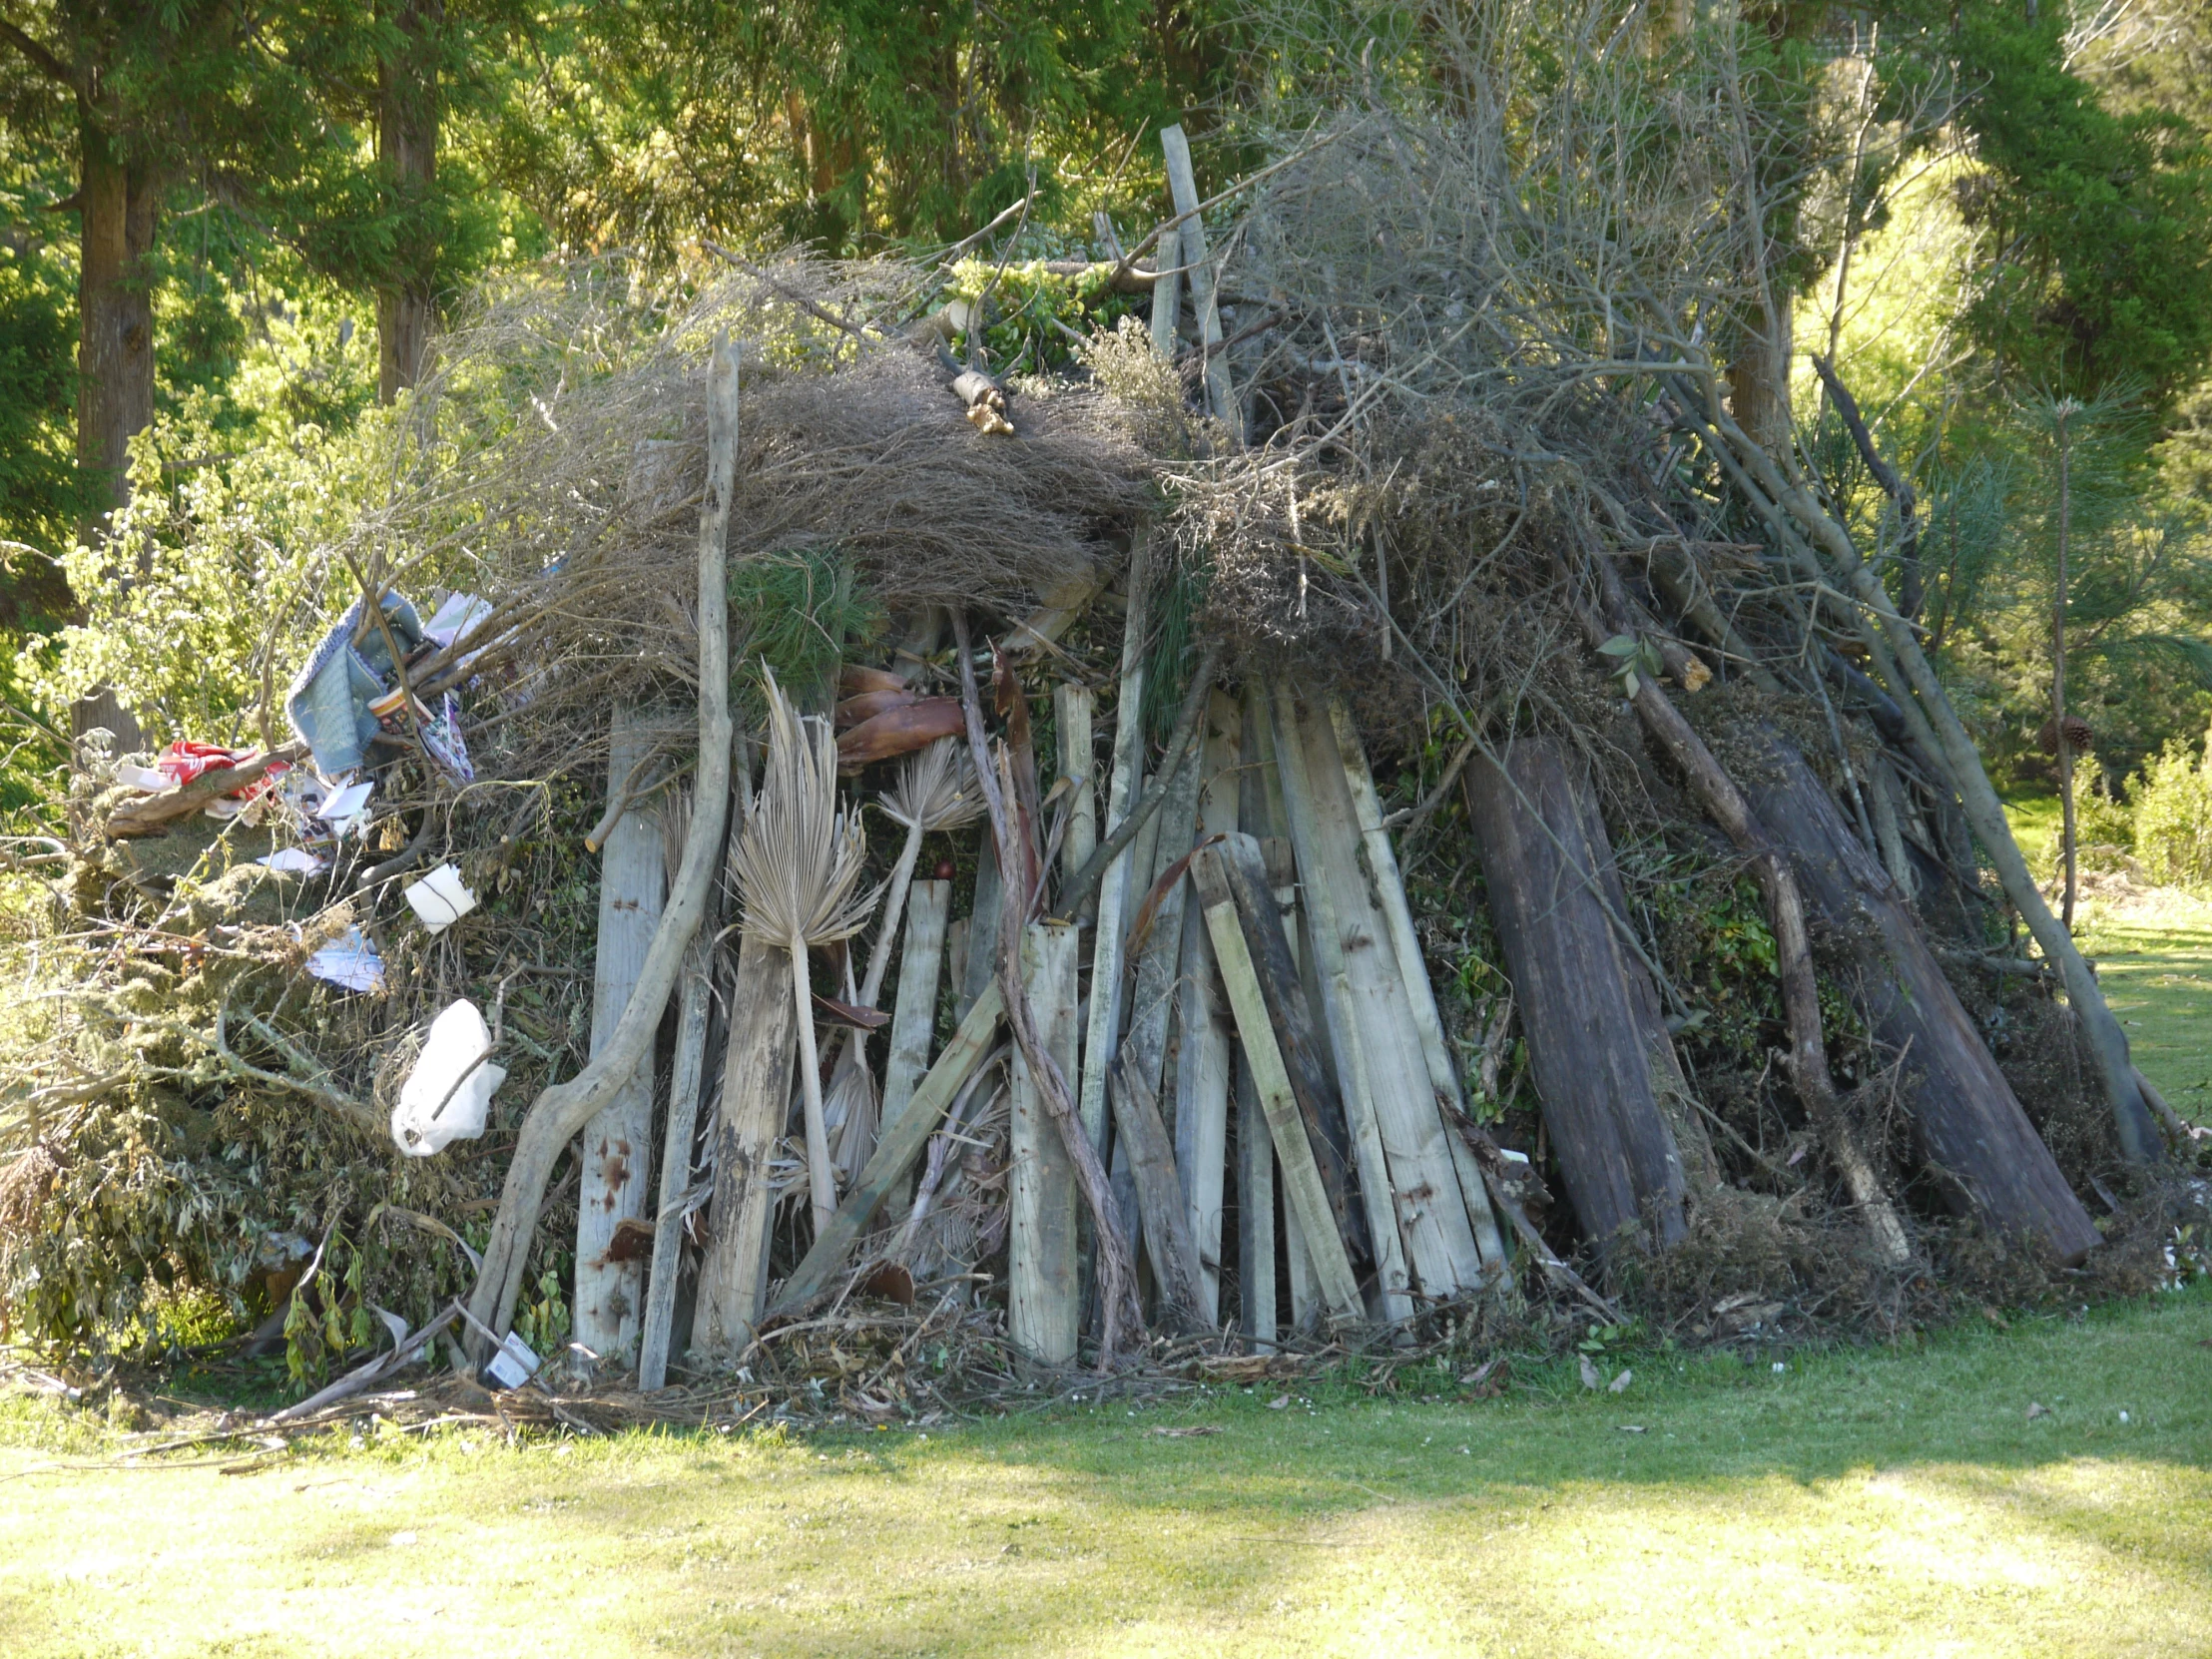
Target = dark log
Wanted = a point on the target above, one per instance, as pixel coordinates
(1591, 1031)
(1968, 1122)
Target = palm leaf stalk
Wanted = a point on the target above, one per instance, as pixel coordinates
(799, 864)
(936, 790)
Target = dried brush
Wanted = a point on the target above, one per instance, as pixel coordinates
(799, 865)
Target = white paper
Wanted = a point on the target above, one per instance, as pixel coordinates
(460, 615)
(447, 1096)
(441, 898)
(350, 961)
(293, 860)
(514, 1365)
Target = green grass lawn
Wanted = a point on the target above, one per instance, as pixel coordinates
(1854, 1504)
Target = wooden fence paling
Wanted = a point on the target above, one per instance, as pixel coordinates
(914, 1014)
(1043, 1302)
(618, 1143)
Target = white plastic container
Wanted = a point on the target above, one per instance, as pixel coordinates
(447, 1096)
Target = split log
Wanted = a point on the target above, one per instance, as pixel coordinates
(617, 1151)
(1305, 1196)
(1590, 1037)
(755, 1104)
(896, 1148)
(1043, 1296)
(1387, 887)
(1202, 1055)
(915, 1014)
(1414, 1184)
(562, 1109)
(1991, 1162)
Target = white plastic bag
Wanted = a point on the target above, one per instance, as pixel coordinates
(447, 1096)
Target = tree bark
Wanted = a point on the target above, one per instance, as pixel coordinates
(115, 363)
(1590, 1038)
(407, 112)
(1970, 1125)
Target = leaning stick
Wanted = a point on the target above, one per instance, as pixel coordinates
(562, 1109)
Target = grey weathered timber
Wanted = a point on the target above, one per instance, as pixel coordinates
(982, 929)
(1138, 1128)
(755, 1103)
(1221, 396)
(1969, 1121)
(1256, 1258)
(1043, 1299)
(618, 1143)
(1306, 1198)
(1416, 1187)
(1201, 1019)
(1387, 887)
(1074, 706)
(914, 1014)
(1588, 1033)
(685, 1078)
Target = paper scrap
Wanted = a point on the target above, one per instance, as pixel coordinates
(343, 811)
(441, 898)
(349, 961)
(294, 861)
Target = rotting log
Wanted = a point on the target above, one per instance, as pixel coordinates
(616, 1154)
(896, 1148)
(1418, 1181)
(1202, 1083)
(562, 1109)
(915, 1014)
(756, 1103)
(1043, 1299)
(1588, 1035)
(1304, 1195)
(1989, 1159)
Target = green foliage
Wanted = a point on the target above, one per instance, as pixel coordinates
(39, 500)
(799, 613)
(2170, 815)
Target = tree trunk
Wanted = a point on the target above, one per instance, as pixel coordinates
(1759, 378)
(1592, 1034)
(1969, 1121)
(408, 143)
(115, 365)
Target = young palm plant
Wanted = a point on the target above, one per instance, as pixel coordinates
(799, 864)
(936, 790)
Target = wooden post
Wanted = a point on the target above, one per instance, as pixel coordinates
(618, 1143)
(1411, 1188)
(1306, 1198)
(1043, 1298)
(1388, 889)
(1221, 396)
(1589, 1037)
(1167, 291)
(755, 1103)
(1201, 1059)
(1073, 708)
(675, 1152)
(1102, 1038)
(1153, 999)
(915, 1014)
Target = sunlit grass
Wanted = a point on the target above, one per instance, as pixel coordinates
(1856, 1503)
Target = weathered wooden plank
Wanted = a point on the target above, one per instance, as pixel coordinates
(1202, 1017)
(1589, 1040)
(618, 1143)
(982, 965)
(1386, 888)
(914, 1014)
(1043, 1302)
(1256, 1316)
(897, 1148)
(1073, 708)
(1306, 1199)
(755, 1103)
(685, 1077)
(1969, 1121)
(1221, 397)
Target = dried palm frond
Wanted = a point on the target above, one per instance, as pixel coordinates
(799, 865)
